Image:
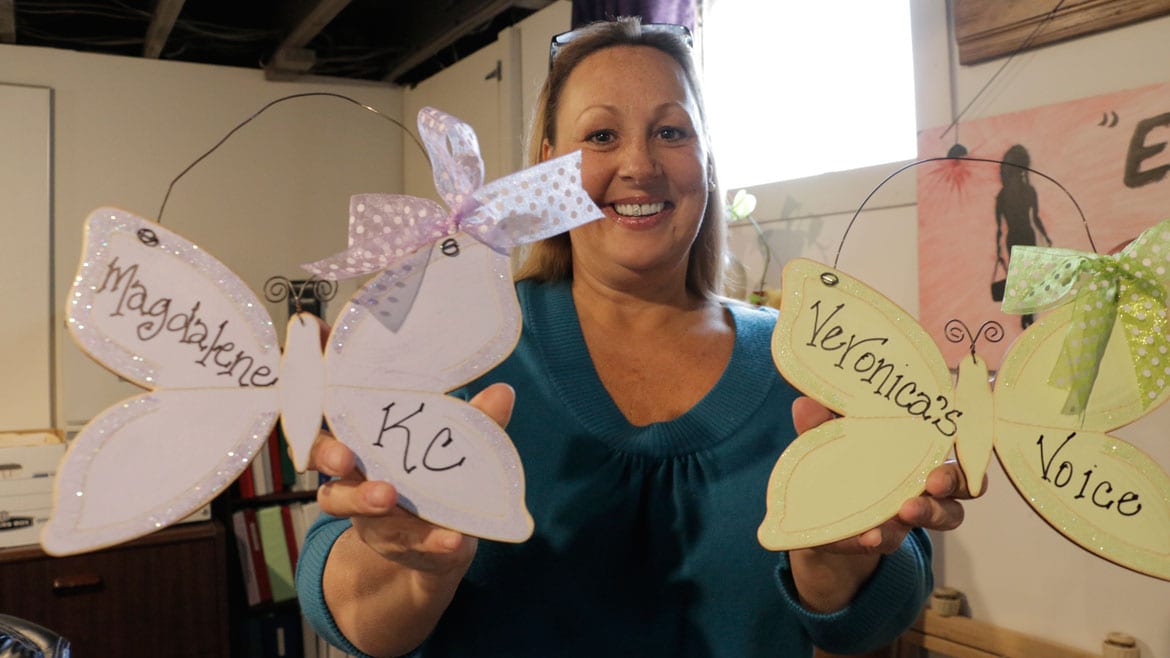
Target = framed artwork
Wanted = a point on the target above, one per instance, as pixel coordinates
(1104, 157)
(986, 29)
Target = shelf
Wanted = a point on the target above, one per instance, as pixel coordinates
(272, 499)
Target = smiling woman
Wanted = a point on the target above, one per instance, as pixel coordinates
(796, 89)
(644, 459)
(644, 161)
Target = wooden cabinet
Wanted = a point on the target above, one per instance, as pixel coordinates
(161, 595)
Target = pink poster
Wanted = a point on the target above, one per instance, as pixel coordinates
(1109, 152)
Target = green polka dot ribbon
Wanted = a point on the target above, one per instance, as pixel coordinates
(1131, 285)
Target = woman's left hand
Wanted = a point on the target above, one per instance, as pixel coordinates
(828, 576)
(938, 508)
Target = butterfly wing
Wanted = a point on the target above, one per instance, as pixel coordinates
(856, 352)
(452, 464)
(155, 309)
(838, 480)
(1099, 491)
(159, 311)
(152, 460)
(464, 319)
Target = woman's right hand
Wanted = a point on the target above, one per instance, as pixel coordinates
(390, 577)
(372, 506)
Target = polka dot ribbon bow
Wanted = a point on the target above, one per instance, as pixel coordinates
(534, 203)
(1131, 284)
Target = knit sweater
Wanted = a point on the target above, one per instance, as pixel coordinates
(645, 536)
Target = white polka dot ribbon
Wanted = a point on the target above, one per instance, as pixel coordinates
(1131, 285)
(534, 203)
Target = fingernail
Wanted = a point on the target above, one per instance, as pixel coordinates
(948, 487)
(378, 497)
(333, 461)
(871, 538)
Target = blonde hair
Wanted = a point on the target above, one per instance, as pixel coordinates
(551, 259)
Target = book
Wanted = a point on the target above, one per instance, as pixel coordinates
(288, 471)
(276, 557)
(252, 637)
(309, 480)
(290, 534)
(256, 547)
(275, 472)
(282, 636)
(245, 483)
(299, 526)
(260, 483)
(310, 510)
(247, 566)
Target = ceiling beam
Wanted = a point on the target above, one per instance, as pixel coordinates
(307, 21)
(7, 21)
(162, 21)
(433, 32)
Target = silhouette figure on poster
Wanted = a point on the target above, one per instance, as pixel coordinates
(1017, 218)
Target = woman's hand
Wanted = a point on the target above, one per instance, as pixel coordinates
(828, 576)
(372, 507)
(391, 575)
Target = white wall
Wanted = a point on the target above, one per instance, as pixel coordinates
(25, 330)
(1015, 571)
(274, 196)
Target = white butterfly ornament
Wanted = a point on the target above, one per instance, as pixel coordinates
(159, 311)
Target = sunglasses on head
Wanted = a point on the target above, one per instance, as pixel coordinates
(565, 38)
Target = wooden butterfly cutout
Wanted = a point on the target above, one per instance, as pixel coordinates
(161, 312)
(858, 353)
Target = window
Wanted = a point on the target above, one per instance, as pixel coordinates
(796, 89)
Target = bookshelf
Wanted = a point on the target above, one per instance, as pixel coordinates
(266, 513)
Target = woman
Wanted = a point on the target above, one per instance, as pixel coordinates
(648, 416)
(1017, 214)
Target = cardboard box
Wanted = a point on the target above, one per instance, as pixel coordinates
(27, 473)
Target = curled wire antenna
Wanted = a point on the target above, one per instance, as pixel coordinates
(957, 331)
(1084, 222)
(279, 288)
(261, 111)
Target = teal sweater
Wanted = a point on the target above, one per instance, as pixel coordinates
(645, 540)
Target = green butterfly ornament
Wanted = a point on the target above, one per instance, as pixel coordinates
(902, 412)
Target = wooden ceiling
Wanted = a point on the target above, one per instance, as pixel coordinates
(398, 41)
